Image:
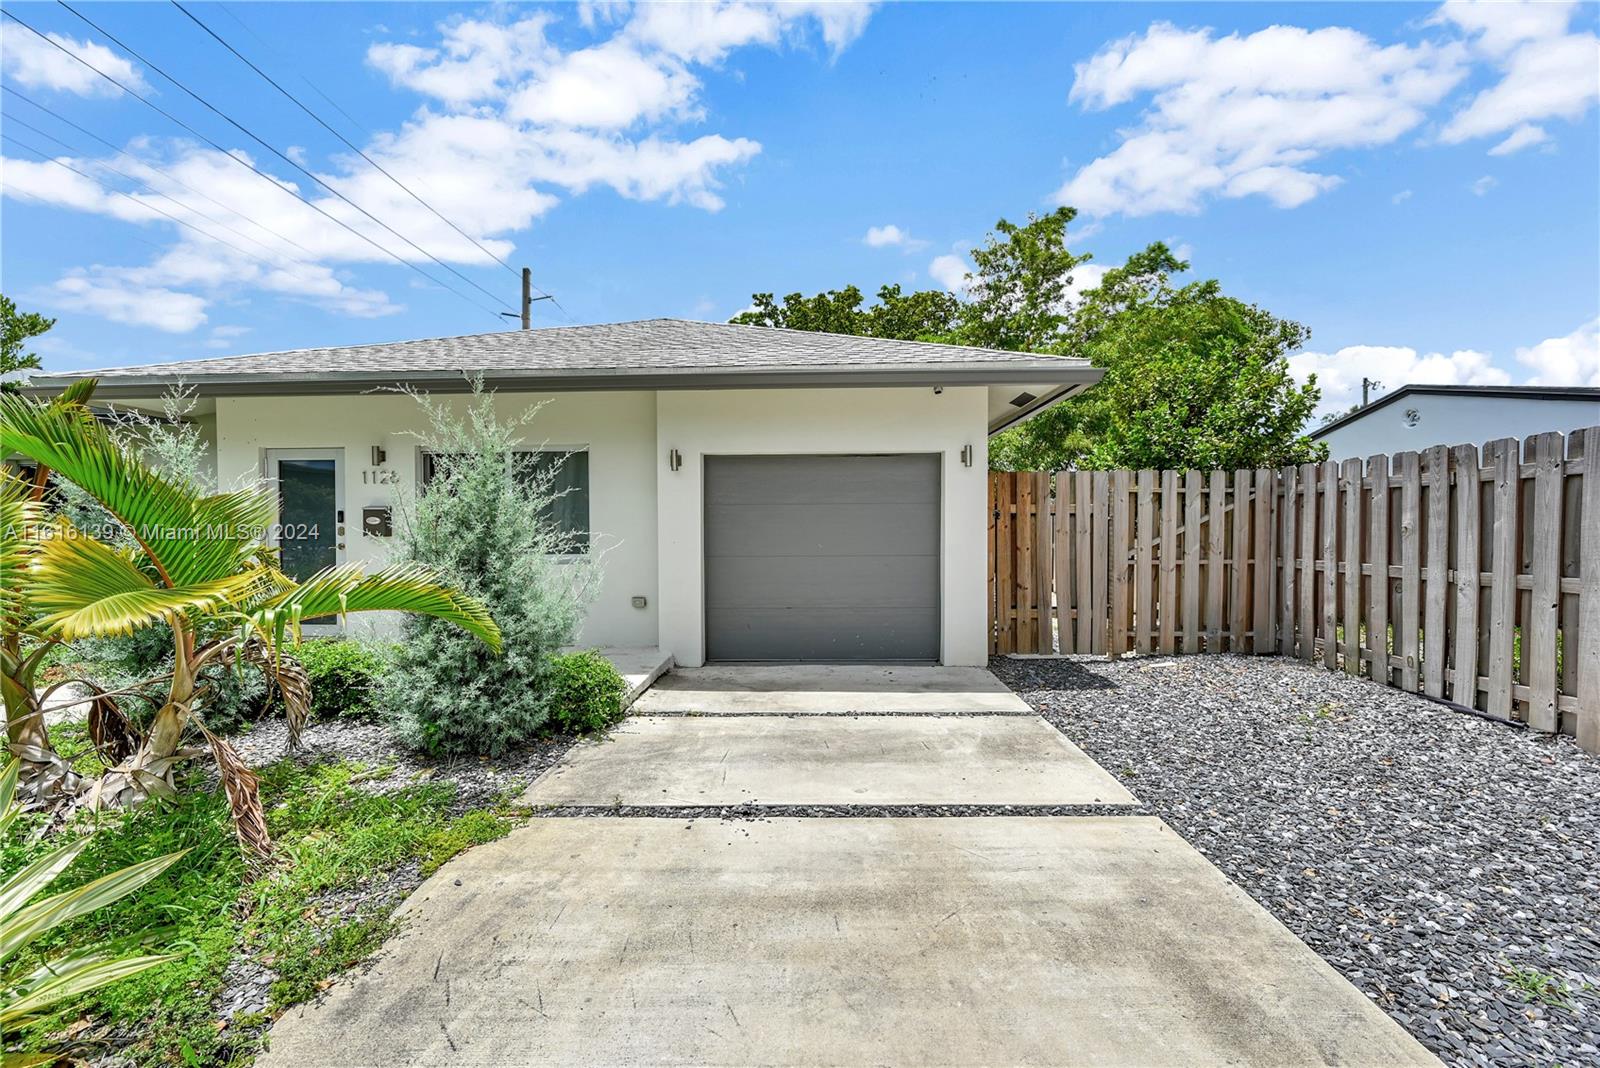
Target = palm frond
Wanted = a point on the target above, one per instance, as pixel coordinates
(82, 587)
(28, 923)
(190, 539)
(399, 588)
(20, 519)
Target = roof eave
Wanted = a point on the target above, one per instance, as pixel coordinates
(249, 384)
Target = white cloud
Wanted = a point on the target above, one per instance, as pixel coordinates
(1339, 374)
(1522, 137)
(1573, 360)
(950, 271)
(1087, 276)
(35, 64)
(112, 295)
(1401, 197)
(1241, 116)
(512, 122)
(891, 236)
(1546, 72)
(1483, 185)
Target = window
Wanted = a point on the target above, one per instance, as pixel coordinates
(565, 474)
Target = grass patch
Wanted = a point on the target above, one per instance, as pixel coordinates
(1542, 987)
(333, 833)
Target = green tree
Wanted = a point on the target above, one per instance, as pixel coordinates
(15, 329)
(1018, 289)
(927, 315)
(1193, 378)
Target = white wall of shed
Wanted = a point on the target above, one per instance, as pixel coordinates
(1457, 419)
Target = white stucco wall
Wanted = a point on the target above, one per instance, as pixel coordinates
(649, 516)
(617, 429)
(1457, 419)
(793, 421)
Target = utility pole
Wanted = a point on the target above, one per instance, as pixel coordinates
(527, 298)
(1366, 383)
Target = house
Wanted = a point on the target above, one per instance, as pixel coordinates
(765, 494)
(1418, 417)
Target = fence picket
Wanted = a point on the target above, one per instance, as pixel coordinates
(1588, 644)
(1351, 556)
(1167, 618)
(1263, 572)
(1083, 557)
(1435, 566)
(1121, 564)
(1044, 630)
(1098, 600)
(1290, 507)
(1239, 569)
(1469, 564)
(1378, 553)
(1505, 459)
(1330, 564)
(1061, 560)
(1216, 566)
(1308, 563)
(1408, 470)
(1539, 634)
(1192, 513)
(1144, 601)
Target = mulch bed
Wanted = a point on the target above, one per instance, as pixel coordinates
(1446, 865)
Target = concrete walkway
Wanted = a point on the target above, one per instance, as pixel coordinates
(912, 939)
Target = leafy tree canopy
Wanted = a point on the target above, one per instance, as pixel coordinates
(1194, 378)
(15, 329)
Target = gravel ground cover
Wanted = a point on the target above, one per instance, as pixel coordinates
(1446, 865)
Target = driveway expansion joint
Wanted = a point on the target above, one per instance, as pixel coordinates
(694, 713)
(760, 811)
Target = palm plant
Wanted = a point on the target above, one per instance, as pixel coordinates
(28, 990)
(195, 565)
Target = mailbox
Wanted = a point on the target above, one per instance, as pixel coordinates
(377, 522)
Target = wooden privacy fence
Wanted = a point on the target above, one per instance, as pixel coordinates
(1469, 577)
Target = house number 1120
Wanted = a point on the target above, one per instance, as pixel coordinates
(378, 476)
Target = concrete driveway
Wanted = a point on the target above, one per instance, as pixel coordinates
(645, 935)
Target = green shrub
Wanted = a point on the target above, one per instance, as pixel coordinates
(486, 523)
(344, 677)
(585, 692)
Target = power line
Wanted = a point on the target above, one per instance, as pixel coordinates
(252, 168)
(278, 256)
(245, 26)
(351, 145)
(272, 148)
(174, 179)
(147, 207)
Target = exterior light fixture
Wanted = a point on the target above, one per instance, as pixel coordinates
(674, 459)
(966, 456)
(378, 456)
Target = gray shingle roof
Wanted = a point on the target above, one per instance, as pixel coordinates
(645, 345)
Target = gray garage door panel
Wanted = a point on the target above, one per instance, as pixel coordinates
(822, 558)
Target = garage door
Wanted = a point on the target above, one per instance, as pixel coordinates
(822, 558)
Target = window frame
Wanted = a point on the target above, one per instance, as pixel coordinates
(424, 454)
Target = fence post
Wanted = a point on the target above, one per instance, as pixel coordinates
(1588, 643)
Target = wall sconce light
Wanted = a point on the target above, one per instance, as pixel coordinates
(674, 459)
(966, 456)
(378, 456)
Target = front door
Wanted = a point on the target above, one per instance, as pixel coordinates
(310, 530)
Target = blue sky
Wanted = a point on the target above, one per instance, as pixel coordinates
(1418, 184)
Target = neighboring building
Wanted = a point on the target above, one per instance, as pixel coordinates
(760, 494)
(1417, 417)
